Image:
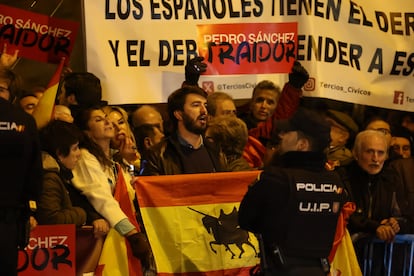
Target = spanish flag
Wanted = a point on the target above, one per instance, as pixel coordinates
(116, 257)
(192, 223)
(44, 109)
(342, 257)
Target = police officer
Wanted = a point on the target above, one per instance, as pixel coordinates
(20, 170)
(295, 203)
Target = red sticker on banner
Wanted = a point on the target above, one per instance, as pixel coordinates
(260, 48)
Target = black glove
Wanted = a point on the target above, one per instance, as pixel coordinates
(140, 248)
(193, 70)
(299, 76)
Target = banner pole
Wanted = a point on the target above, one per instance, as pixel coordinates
(83, 32)
(30, 8)
(57, 7)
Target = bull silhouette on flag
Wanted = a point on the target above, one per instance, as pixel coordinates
(226, 230)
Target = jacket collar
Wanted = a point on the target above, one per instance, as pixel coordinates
(50, 164)
(301, 159)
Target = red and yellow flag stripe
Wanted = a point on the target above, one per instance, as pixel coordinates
(191, 223)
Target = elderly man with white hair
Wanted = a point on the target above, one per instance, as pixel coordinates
(372, 186)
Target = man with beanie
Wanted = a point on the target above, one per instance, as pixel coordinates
(295, 203)
(401, 142)
(343, 129)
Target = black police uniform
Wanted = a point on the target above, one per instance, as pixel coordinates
(294, 206)
(20, 170)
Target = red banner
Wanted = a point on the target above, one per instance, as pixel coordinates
(259, 48)
(38, 37)
(51, 251)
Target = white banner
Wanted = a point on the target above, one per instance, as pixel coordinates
(355, 51)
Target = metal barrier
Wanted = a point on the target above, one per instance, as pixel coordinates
(407, 242)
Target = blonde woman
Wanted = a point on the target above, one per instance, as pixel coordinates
(123, 143)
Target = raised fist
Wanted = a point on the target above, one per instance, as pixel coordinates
(299, 76)
(193, 70)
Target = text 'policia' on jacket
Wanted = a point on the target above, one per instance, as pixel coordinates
(19, 157)
(295, 206)
(316, 200)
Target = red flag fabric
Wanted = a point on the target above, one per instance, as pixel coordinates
(254, 152)
(347, 210)
(122, 196)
